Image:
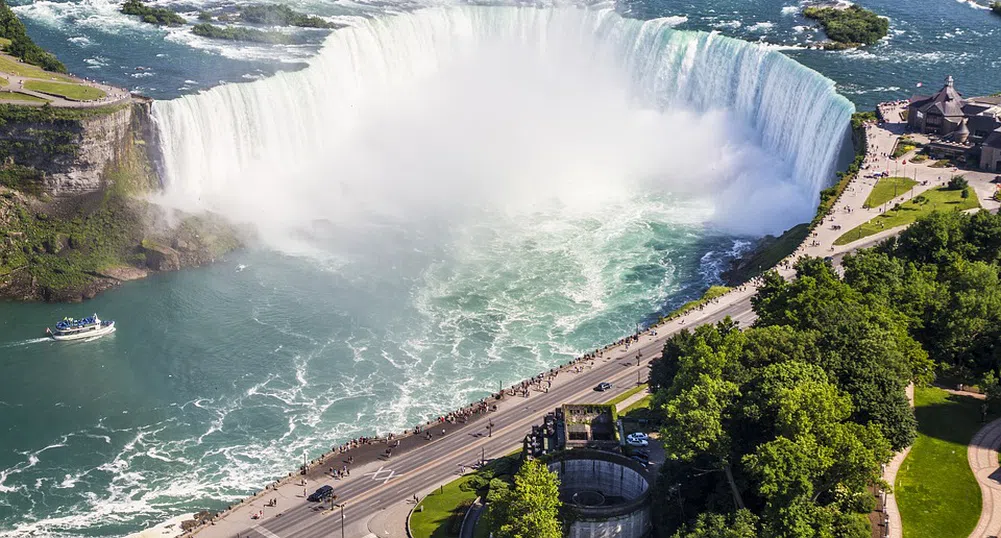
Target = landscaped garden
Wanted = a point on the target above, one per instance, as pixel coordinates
(935, 488)
(942, 198)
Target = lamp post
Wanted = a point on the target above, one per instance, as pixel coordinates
(341, 506)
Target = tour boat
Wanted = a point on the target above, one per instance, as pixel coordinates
(80, 329)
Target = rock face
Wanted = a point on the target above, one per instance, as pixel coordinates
(72, 154)
(75, 219)
(161, 258)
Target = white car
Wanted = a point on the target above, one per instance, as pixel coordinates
(637, 439)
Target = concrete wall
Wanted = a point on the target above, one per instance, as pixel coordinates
(610, 478)
(989, 159)
(634, 525)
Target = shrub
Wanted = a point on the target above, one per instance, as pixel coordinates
(958, 183)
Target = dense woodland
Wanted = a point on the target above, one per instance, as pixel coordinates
(777, 430)
(21, 46)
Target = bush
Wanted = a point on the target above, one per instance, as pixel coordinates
(958, 183)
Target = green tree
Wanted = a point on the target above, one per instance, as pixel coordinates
(531, 508)
(740, 524)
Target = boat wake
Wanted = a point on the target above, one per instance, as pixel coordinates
(23, 343)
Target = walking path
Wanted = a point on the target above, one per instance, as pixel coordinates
(16, 82)
(374, 496)
(890, 509)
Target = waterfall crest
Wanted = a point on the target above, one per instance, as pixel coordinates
(251, 137)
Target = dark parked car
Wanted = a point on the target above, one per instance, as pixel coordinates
(603, 386)
(320, 494)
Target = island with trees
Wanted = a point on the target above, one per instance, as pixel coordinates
(237, 33)
(849, 27)
(261, 15)
(153, 15)
(996, 8)
(281, 15)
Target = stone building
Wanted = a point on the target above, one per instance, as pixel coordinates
(964, 128)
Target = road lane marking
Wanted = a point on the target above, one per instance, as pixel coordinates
(377, 475)
(265, 532)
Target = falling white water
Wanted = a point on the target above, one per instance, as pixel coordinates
(446, 109)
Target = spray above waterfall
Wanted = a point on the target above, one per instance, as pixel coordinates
(447, 110)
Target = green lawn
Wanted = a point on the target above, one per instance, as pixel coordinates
(77, 92)
(4, 82)
(921, 205)
(936, 490)
(433, 521)
(14, 96)
(7, 65)
(887, 189)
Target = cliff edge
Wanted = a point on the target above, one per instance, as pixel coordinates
(74, 215)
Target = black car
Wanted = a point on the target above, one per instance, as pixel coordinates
(321, 493)
(603, 386)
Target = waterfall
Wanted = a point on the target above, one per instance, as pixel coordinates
(259, 137)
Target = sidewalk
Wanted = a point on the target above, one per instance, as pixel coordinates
(890, 476)
(982, 454)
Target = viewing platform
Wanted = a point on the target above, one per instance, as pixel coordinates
(29, 85)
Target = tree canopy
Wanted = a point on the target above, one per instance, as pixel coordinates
(778, 429)
(531, 508)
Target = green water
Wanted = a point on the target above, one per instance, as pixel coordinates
(218, 378)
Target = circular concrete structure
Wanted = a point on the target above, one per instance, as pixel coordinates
(609, 492)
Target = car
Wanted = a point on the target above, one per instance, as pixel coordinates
(320, 494)
(641, 453)
(637, 439)
(639, 435)
(603, 386)
(640, 461)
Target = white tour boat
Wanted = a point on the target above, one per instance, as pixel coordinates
(80, 329)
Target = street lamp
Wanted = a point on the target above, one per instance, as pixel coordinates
(341, 506)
